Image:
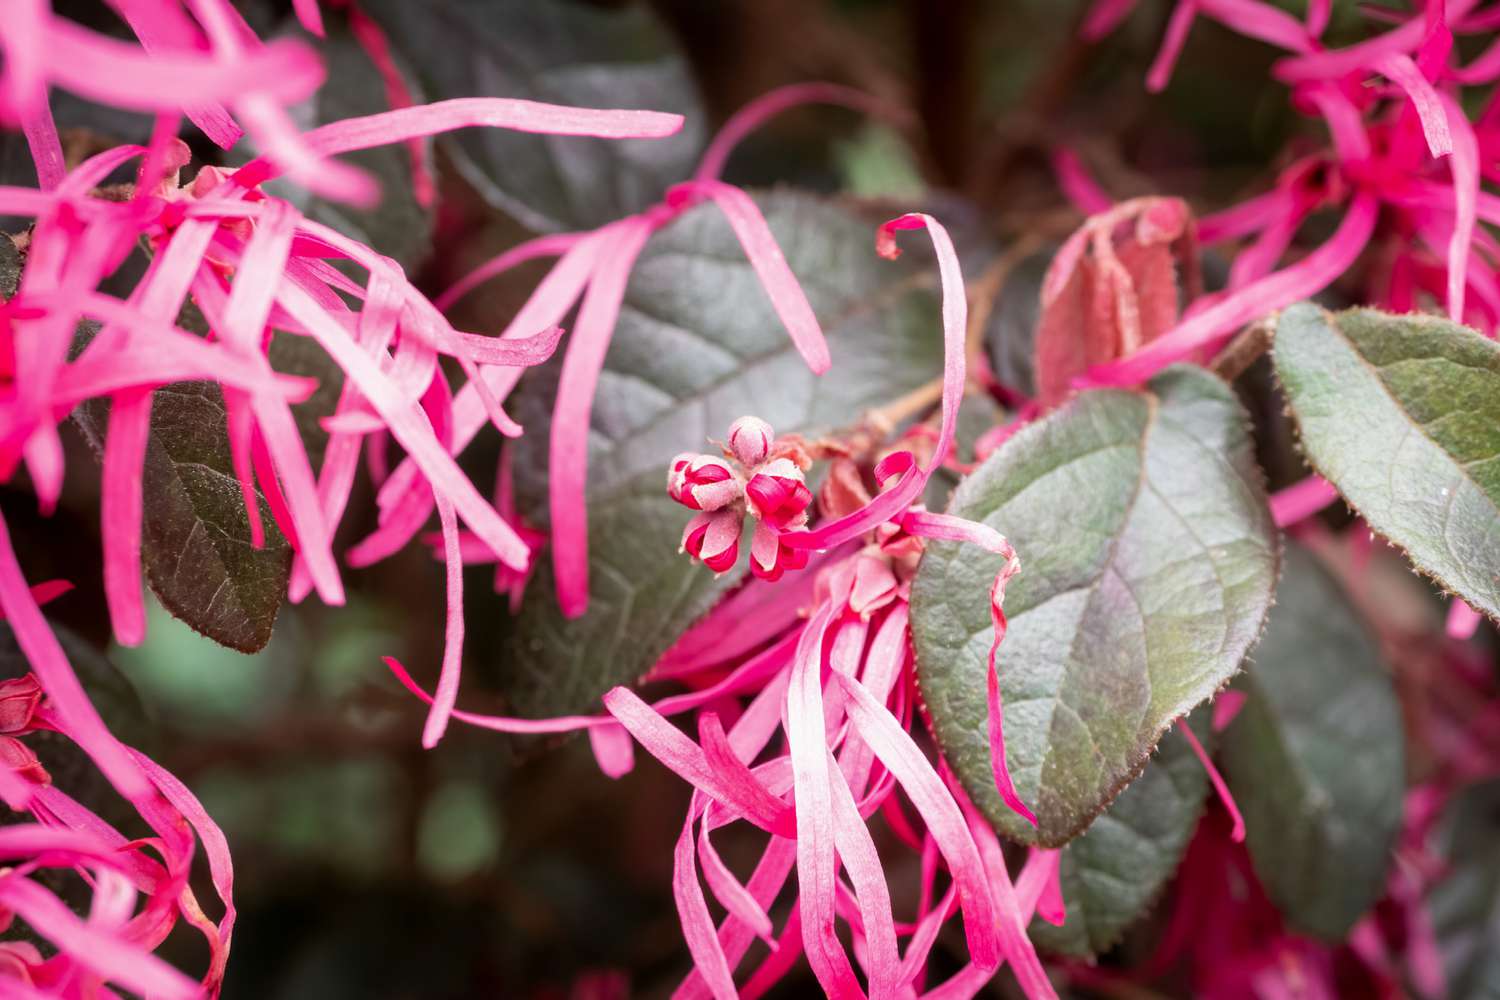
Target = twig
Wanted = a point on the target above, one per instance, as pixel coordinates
(1245, 349)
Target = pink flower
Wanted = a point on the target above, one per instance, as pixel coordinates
(703, 482)
(713, 538)
(778, 493)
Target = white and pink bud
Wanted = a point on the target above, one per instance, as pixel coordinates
(713, 538)
(750, 439)
(770, 556)
(703, 482)
(778, 493)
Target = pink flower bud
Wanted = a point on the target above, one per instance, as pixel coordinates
(778, 493)
(750, 439)
(702, 482)
(18, 757)
(713, 538)
(19, 698)
(770, 557)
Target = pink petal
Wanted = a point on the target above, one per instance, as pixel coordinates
(613, 750)
(1074, 179)
(453, 638)
(770, 265)
(100, 951)
(121, 508)
(752, 116)
(697, 925)
(1301, 500)
(47, 660)
(1463, 621)
(1238, 834)
(735, 788)
(568, 468)
(945, 823)
(1400, 69)
(1104, 16)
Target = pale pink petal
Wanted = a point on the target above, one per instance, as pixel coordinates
(568, 462)
(697, 924)
(453, 637)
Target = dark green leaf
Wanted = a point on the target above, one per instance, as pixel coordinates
(1148, 558)
(696, 347)
(195, 538)
(398, 226)
(1402, 414)
(1315, 758)
(1120, 865)
(561, 53)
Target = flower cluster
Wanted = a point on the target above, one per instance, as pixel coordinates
(756, 478)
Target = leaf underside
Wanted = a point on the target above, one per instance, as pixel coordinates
(1148, 560)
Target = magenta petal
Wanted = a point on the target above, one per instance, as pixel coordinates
(568, 471)
(1238, 834)
(1301, 500)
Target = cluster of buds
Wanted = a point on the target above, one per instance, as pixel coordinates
(19, 700)
(756, 477)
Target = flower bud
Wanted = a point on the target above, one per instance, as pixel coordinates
(713, 538)
(770, 556)
(702, 482)
(19, 698)
(778, 493)
(750, 439)
(18, 757)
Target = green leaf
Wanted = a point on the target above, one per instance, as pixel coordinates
(1402, 414)
(1315, 759)
(697, 346)
(398, 226)
(561, 53)
(195, 537)
(1113, 873)
(1148, 557)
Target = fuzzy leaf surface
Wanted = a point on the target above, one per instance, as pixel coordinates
(1148, 559)
(1402, 414)
(1113, 873)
